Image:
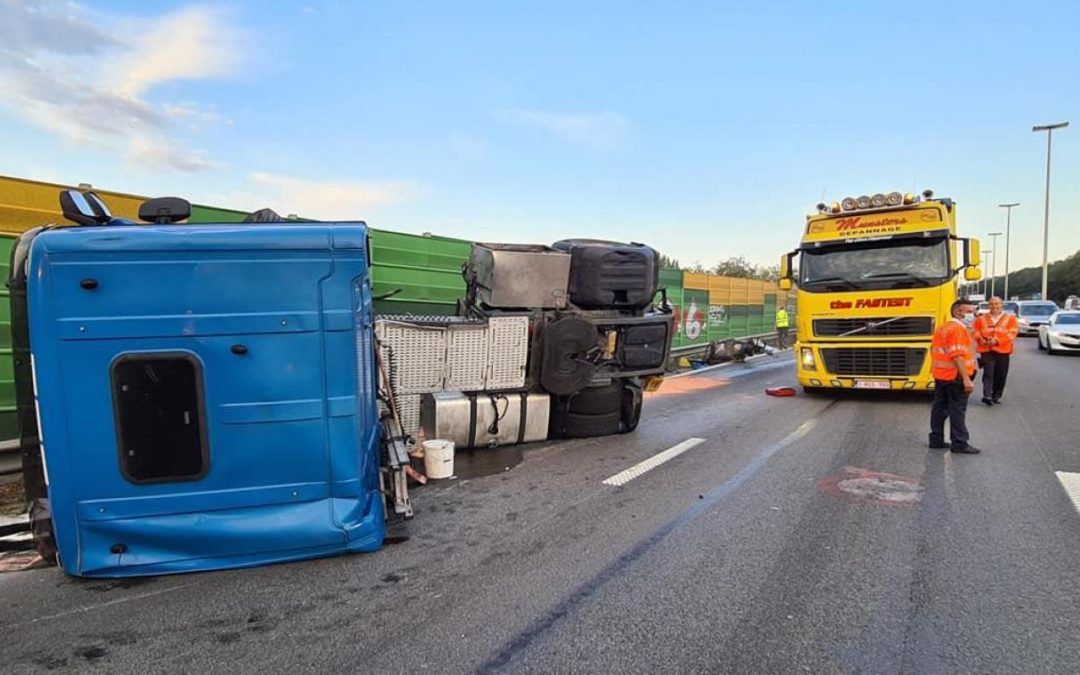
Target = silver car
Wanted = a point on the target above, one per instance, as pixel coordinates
(1030, 314)
(1061, 333)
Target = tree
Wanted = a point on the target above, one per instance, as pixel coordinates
(669, 263)
(740, 268)
(770, 273)
(736, 266)
(1062, 280)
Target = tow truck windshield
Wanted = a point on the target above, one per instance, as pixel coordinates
(900, 263)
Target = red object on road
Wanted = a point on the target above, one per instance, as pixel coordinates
(780, 391)
(415, 475)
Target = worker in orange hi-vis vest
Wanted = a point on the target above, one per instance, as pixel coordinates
(994, 336)
(952, 356)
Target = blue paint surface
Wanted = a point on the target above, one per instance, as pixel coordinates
(290, 426)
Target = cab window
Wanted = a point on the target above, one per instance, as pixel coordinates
(160, 425)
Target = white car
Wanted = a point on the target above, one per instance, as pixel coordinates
(1061, 333)
(1030, 314)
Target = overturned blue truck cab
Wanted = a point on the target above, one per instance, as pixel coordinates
(205, 394)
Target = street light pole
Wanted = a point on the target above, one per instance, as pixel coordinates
(1008, 226)
(986, 257)
(993, 263)
(1049, 129)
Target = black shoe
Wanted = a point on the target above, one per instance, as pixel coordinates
(939, 446)
(966, 450)
(996, 401)
(987, 401)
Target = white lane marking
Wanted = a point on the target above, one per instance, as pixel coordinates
(1071, 483)
(624, 477)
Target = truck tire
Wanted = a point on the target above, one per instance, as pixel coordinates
(564, 424)
(597, 400)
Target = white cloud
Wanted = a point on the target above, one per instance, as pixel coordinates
(62, 71)
(191, 44)
(324, 200)
(152, 151)
(596, 130)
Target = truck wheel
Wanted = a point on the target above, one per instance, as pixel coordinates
(575, 425)
(597, 400)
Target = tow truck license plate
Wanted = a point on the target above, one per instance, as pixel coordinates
(873, 384)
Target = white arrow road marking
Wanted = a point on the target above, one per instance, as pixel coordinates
(1071, 483)
(624, 477)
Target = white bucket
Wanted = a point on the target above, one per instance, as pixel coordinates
(439, 458)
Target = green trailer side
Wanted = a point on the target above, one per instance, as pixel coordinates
(9, 422)
(417, 274)
(213, 214)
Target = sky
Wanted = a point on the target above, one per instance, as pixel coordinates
(707, 130)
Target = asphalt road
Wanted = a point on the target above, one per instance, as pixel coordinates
(805, 534)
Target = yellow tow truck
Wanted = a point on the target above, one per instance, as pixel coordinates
(876, 275)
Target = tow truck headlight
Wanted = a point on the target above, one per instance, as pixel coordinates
(878, 200)
(894, 199)
(863, 201)
(848, 204)
(807, 359)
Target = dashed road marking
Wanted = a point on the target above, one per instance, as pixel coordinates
(1071, 483)
(624, 477)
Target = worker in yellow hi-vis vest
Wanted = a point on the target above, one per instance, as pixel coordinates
(782, 325)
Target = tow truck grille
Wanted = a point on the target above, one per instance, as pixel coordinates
(908, 325)
(887, 361)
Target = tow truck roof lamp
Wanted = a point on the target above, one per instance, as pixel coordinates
(876, 201)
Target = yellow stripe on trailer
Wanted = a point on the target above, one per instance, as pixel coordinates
(29, 203)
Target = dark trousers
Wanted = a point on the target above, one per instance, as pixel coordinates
(781, 337)
(950, 402)
(995, 371)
